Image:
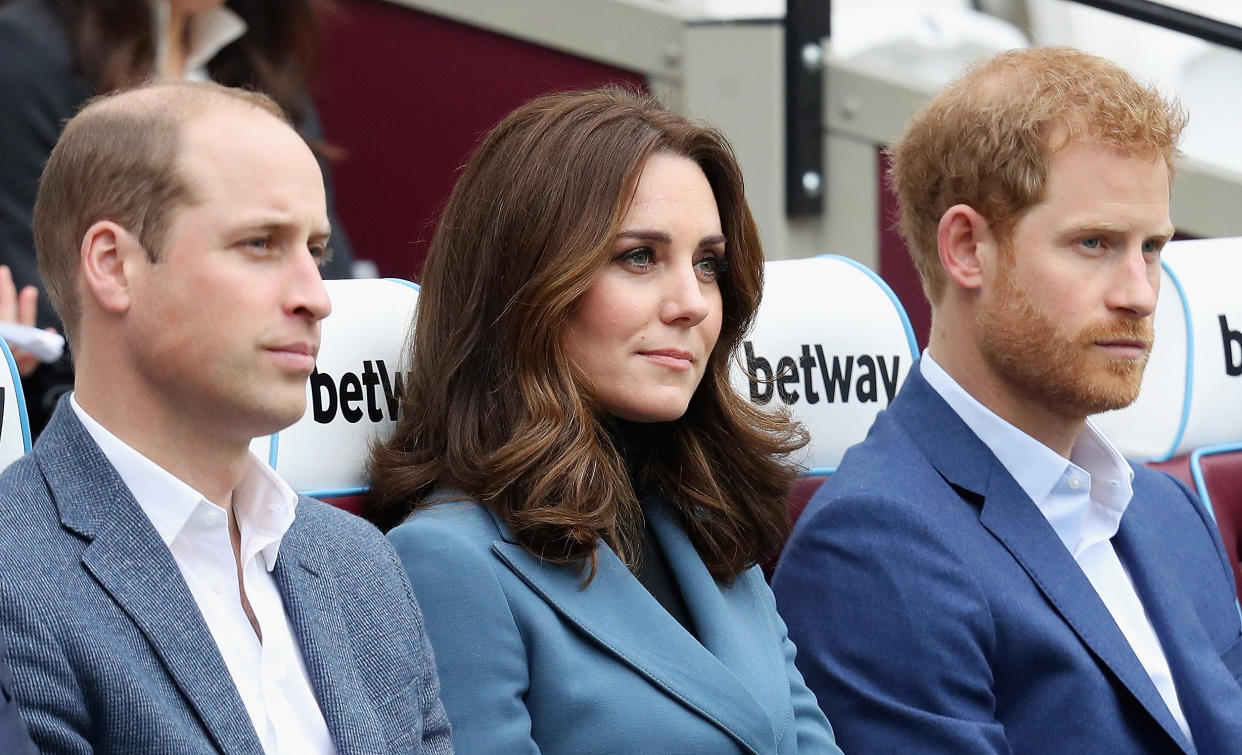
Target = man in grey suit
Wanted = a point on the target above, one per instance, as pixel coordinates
(162, 590)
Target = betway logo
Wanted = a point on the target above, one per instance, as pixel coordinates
(840, 378)
(355, 395)
(1233, 345)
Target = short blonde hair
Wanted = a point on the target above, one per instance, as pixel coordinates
(987, 139)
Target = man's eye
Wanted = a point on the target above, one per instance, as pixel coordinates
(322, 254)
(1092, 242)
(1151, 247)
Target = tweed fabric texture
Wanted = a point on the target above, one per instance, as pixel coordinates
(109, 650)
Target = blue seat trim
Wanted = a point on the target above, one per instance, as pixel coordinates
(18, 394)
(1190, 366)
(1196, 473)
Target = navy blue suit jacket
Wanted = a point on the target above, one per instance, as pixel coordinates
(936, 610)
(109, 650)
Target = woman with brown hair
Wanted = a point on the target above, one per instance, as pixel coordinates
(590, 495)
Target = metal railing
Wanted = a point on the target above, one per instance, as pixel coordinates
(1174, 19)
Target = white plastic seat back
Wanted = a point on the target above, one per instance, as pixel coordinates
(353, 396)
(14, 423)
(831, 342)
(1192, 389)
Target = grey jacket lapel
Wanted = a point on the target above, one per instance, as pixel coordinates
(313, 604)
(132, 564)
(618, 614)
(1011, 516)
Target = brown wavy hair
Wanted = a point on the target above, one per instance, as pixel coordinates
(494, 406)
(113, 46)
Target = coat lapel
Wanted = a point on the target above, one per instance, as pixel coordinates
(1012, 517)
(1209, 695)
(135, 567)
(312, 601)
(619, 615)
(733, 625)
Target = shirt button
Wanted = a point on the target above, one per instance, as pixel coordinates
(213, 518)
(1075, 483)
(217, 587)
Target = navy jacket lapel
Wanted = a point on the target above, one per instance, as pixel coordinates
(1209, 695)
(1012, 517)
(618, 613)
(131, 563)
(312, 602)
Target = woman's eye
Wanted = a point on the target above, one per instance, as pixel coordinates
(259, 243)
(709, 268)
(640, 258)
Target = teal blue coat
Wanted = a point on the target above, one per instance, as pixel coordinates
(530, 661)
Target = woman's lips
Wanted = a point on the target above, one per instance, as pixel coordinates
(676, 359)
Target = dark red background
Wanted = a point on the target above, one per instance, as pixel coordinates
(407, 95)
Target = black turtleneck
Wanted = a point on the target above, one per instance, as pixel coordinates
(635, 440)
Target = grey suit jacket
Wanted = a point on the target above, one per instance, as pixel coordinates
(109, 650)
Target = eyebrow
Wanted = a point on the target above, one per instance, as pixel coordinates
(660, 237)
(282, 226)
(1165, 233)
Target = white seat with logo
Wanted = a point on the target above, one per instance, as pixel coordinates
(831, 342)
(1192, 389)
(353, 396)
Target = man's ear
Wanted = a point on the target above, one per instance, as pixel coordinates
(964, 241)
(108, 257)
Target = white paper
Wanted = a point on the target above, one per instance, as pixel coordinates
(46, 346)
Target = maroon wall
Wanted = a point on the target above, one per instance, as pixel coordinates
(407, 95)
(896, 267)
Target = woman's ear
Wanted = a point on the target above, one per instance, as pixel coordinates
(107, 262)
(964, 241)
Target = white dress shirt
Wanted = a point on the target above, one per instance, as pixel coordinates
(269, 674)
(1083, 498)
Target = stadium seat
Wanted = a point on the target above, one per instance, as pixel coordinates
(1217, 473)
(353, 395)
(14, 425)
(832, 344)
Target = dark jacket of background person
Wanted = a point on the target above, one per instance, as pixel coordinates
(41, 86)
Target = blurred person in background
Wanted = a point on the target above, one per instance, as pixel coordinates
(55, 54)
